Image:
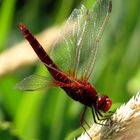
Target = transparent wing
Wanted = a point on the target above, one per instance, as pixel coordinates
(64, 49)
(98, 17)
(35, 82)
(75, 51)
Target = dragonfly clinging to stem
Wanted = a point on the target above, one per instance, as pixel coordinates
(77, 49)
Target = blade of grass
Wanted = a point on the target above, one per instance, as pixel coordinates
(63, 10)
(6, 17)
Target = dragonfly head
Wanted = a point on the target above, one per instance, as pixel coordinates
(103, 103)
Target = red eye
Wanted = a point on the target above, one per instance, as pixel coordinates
(104, 103)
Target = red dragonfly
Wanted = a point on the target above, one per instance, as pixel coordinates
(75, 54)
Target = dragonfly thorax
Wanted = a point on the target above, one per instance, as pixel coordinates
(84, 92)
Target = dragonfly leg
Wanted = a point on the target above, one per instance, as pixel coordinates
(100, 116)
(96, 117)
(83, 120)
(106, 116)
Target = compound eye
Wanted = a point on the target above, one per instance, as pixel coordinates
(108, 103)
(104, 103)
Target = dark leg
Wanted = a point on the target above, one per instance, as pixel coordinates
(94, 113)
(81, 122)
(106, 116)
(100, 117)
(100, 113)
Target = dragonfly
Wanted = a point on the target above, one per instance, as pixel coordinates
(72, 59)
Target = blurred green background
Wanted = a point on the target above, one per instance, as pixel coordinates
(52, 115)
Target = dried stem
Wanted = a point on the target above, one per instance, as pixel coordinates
(124, 124)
